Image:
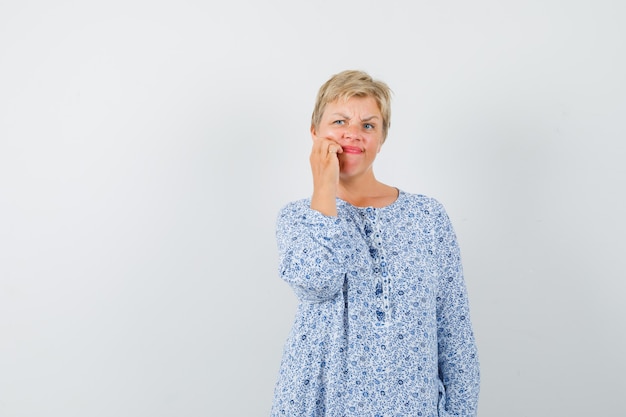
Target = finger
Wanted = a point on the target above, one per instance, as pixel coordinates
(324, 146)
(320, 145)
(334, 148)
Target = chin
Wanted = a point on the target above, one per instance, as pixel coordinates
(345, 174)
(350, 169)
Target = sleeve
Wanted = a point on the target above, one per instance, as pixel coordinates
(313, 251)
(459, 371)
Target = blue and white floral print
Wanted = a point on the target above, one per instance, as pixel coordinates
(382, 327)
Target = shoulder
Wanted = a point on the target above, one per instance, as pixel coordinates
(300, 212)
(432, 216)
(295, 205)
(427, 210)
(424, 203)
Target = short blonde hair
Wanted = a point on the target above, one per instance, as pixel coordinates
(353, 83)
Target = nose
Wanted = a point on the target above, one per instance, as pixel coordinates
(351, 132)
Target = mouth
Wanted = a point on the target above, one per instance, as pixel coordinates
(351, 149)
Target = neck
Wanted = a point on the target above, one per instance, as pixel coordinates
(365, 192)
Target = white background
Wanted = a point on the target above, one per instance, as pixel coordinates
(146, 147)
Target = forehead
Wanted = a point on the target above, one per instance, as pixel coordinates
(354, 106)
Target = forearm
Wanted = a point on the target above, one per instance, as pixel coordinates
(458, 356)
(312, 252)
(459, 367)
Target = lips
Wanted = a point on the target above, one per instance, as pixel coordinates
(351, 149)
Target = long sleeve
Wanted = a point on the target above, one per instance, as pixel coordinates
(313, 250)
(458, 357)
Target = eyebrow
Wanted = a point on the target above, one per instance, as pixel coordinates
(367, 119)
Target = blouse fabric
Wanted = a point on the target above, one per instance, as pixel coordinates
(382, 327)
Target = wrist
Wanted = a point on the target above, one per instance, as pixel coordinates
(324, 201)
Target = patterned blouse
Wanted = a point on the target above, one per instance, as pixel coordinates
(382, 327)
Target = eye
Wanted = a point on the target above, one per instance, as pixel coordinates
(339, 122)
(368, 126)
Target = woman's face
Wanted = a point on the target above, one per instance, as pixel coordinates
(356, 125)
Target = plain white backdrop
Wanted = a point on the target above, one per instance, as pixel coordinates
(146, 147)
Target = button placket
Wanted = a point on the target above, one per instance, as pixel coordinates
(373, 233)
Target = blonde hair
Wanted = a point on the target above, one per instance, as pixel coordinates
(353, 83)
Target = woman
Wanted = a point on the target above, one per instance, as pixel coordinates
(382, 327)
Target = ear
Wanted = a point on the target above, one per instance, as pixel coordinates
(313, 133)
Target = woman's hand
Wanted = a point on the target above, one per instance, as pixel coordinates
(325, 170)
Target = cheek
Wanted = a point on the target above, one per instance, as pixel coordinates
(329, 133)
(374, 144)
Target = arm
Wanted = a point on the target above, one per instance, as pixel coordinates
(325, 170)
(458, 357)
(313, 251)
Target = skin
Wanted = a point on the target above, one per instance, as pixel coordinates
(345, 145)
